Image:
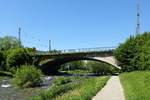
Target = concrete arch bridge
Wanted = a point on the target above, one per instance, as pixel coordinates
(51, 62)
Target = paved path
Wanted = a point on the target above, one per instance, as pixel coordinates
(111, 91)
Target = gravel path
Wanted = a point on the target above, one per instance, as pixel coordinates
(112, 91)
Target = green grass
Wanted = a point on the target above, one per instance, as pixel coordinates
(78, 72)
(136, 85)
(59, 86)
(72, 88)
(85, 90)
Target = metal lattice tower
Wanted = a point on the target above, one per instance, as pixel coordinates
(49, 45)
(138, 17)
(19, 33)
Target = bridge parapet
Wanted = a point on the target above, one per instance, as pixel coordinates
(97, 49)
(72, 51)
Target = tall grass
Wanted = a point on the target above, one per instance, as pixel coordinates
(72, 88)
(136, 85)
(60, 86)
(85, 90)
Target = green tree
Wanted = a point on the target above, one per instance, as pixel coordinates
(2, 60)
(134, 53)
(18, 57)
(8, 42)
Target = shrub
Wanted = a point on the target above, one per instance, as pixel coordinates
(18, 57)
(134, 54)
(27, 76)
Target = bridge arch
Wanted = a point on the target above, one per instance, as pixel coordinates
(52, 65)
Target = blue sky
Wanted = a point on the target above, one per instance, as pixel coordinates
(72, 23)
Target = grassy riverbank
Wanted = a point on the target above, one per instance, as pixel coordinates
(136, 85)
(73, 88)
(85, 90)
(77, 72)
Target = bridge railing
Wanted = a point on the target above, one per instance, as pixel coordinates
(82, 50)
(98, 49)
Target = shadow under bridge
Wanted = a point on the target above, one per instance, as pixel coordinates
(52, 65)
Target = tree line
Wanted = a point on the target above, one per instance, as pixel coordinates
(134, 53)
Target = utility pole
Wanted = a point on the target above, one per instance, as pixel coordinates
(19, 33)
(138, 18)
(49, 45)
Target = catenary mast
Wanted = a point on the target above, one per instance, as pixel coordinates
(138, 18)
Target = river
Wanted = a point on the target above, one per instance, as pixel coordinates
(9, 92)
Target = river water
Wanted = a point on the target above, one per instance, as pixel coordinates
(9, 92)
